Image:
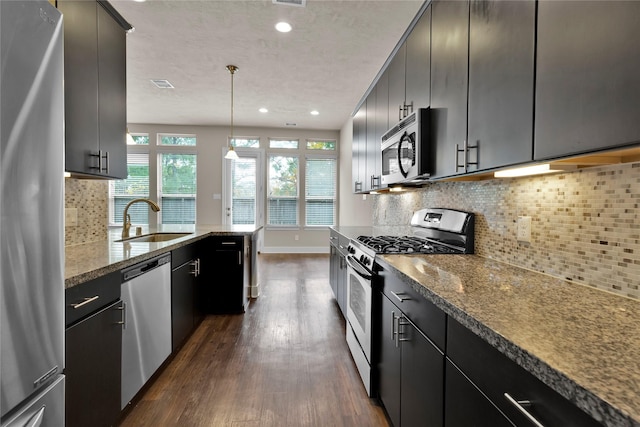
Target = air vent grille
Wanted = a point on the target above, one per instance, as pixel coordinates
(298, 3)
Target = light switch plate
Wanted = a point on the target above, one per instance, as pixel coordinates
(523, 232)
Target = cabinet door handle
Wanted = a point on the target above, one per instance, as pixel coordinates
(393, 326)
(227, 243)
(85, 302)
(402, 321)
(106, 161)
(239, 258)
(520, 406)
(400, 296)
(396, 326)
(194, 268)
(123, 318)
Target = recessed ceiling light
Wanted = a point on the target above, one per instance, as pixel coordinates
(283, 27)
(162, 83)
(263, 110)
(315, 112)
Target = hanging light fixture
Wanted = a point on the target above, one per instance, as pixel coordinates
(231, 154)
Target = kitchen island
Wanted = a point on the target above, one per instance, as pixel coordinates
(581, 342)
(88, 261)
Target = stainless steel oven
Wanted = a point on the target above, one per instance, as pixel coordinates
(406, 152)
(359, 299)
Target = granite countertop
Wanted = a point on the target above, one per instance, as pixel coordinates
(580, 341)
(88, 261)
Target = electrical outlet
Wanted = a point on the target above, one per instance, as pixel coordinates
(523, 232)
(71, 217)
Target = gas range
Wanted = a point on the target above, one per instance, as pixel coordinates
(434, 231)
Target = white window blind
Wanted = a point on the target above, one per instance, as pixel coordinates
(283, 190)
(178, 188)
(135, 186)
(320, 192)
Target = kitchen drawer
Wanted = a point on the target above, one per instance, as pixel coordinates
(227, 243)
(183, 254)
(339, 241)
(424, 314)
(495, 374)
(89, 297)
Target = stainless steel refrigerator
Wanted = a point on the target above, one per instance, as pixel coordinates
(31, 205)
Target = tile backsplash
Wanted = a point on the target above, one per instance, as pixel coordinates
(585, 226)
(90, 199)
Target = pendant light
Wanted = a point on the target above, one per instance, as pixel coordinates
(231, 154)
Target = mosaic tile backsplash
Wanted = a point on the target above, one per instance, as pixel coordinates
(585, 226)
(90, 198)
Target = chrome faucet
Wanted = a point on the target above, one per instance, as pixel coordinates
(127, 219)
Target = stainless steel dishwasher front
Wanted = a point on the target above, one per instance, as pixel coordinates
(146, 331)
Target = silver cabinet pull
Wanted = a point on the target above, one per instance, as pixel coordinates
(396, 327)
(99, 156)
(85, 302)
(402, 321)
(228, 243)
(194, 268)
(520, 406)
(400, 296)
(106, 161)
(393, 326)
(123, 318)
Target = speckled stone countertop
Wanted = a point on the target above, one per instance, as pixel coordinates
(88, 261)
(582, 342)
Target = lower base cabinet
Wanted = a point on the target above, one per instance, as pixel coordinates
(93, 343)
(411, 371)
(227, 287)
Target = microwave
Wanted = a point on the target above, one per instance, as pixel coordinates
(406, 153)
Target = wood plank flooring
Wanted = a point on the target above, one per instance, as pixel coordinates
(284, 362)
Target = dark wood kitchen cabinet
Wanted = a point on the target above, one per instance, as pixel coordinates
(501, 82)
(185, 269)
(411, 364)
(587, 87)
(95, 89)
(228, 287)
(93, 346)
(449, 82)
(491, 374)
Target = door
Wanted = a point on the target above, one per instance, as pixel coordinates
(243, 188)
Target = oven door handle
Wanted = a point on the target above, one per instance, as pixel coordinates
(360, 271)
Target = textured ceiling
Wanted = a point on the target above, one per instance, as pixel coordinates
(325, 63)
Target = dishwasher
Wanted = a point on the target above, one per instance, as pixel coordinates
(146, 329)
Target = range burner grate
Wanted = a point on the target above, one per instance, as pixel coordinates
(406, 245)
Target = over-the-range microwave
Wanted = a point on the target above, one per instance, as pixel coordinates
(406, 153)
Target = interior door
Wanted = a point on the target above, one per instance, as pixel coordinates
(243, 189)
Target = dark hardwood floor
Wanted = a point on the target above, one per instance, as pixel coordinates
(284, 362)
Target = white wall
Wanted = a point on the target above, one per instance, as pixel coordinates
(353, 209)
(211, 140)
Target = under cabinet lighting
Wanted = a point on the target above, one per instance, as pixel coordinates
(534, 170)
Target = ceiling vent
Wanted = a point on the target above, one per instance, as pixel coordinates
(299, 3)
(162, 84)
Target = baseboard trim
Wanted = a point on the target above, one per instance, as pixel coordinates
(295, 250)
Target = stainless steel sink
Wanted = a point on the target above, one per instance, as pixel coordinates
(154, 237)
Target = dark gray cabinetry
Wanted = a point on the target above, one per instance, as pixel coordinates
(411, 359)
(501, 82)
(228, 287)
(497, 377)
(93, 345)
(418, 59)
(338, 268)
(465, 405)
(373, 163)
(397, 84)
(185, 269)
(95, 89)
(359, 149)
(587, 87)
(449, 80)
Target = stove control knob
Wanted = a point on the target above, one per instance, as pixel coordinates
(366, 261)
(351, 250)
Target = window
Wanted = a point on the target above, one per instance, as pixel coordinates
(320, 194)
(248, 142)
(283, 190)
(135, 186)
(140, 139)
(283, 143)
(314, 144)
(189, 140)
(177, 192)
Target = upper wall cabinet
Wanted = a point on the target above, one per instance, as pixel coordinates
(449, 79)
(408, 71)
(95, 89)
(359, 149)
(587, 86)
(501, 83)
